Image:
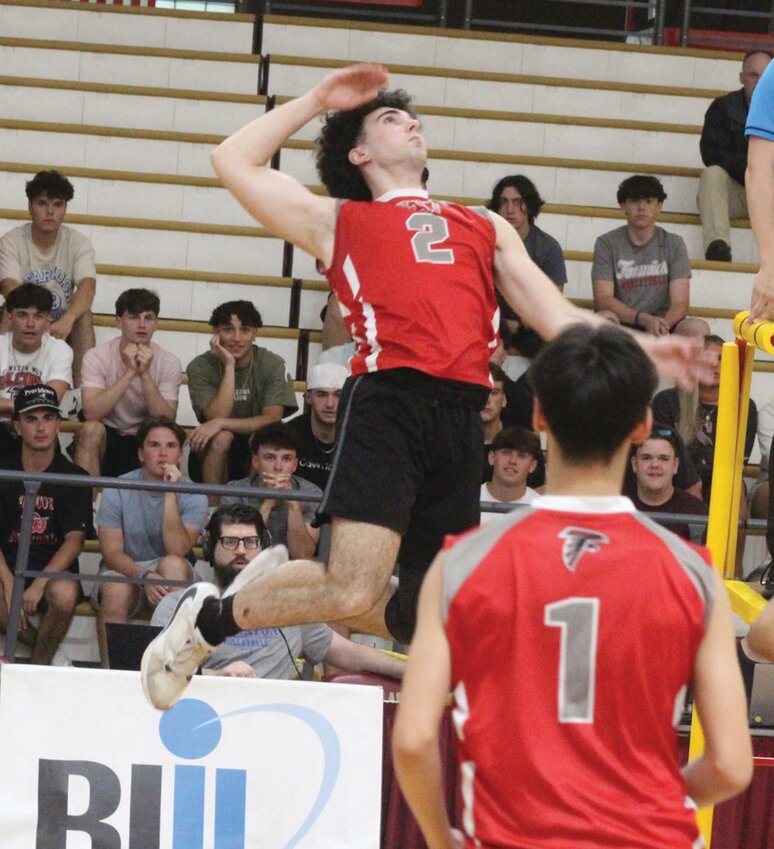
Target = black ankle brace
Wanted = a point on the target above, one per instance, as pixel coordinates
(216, 620)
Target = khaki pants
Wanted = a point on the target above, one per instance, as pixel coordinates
(720, 199)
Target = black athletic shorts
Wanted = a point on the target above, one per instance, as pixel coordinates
(239, 457)
(120, 453)
(408, 457)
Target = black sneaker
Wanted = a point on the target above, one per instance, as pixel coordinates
(718, 251)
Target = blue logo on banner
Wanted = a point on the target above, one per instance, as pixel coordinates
(191, 730)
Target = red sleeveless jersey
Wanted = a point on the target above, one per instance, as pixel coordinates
(573, 628)
(414, 279)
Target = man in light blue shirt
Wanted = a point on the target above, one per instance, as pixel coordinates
(146, 534)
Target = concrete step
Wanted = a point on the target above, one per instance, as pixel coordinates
(128, 26)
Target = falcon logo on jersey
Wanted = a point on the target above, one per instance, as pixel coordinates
(577, 541)
(431, 206)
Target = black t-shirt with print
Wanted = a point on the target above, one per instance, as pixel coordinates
(58, 511)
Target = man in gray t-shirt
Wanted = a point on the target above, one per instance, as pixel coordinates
(234, 536)
(274, 459)
(641, 273)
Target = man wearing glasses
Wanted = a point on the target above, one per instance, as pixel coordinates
(235, 534)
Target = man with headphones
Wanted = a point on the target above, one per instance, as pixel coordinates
(235, 534)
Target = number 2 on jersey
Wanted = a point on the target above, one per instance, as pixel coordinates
(579, 620)
(429, 231)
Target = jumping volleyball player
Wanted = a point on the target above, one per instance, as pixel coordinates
(415, 281)
(569, 632)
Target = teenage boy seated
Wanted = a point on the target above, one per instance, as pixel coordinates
(47, 253)
(513, 457)
(146, 534)
(62, 519)
(655, 465)
(29, 355)
(125, 381)
(274, 460)
(235, 387)
(641, 273)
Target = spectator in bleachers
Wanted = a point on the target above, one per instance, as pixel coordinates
(515, 410)
(513, 456)
(62, 520)
(517, 199)
(694, 416)
(235, 387)
(491, 415)
(655, 465)
(146, 534)
(48, 253)
(29, 355)
(235, 535)
(316, 428)
(641, 273)
(724, 151)
(125, 381)
(274, 449)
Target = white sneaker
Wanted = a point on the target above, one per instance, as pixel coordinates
(266, 561)
(173, 657)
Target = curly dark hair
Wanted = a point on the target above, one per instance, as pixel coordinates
(245, 311)
(533, 203)
(340, 133)
(50, 183)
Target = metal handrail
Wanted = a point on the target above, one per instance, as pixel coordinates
(33, 480)
(689, 8)
(658, 6)
(346, 9)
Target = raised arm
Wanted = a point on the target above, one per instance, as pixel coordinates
(759, 181)
(279, 202)
(543, 307)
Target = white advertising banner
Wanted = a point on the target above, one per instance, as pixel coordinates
(236, 764)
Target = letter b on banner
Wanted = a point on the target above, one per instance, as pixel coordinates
(104, 796)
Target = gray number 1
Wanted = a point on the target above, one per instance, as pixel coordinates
(429, 230)
(579, 620)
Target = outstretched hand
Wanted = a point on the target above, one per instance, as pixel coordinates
(681, 358)
(762, 303)
(348, 88)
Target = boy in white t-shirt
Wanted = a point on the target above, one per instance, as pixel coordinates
(29, 354)
(49, 254)
(513, 456)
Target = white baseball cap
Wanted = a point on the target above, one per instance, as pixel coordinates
(326, 376)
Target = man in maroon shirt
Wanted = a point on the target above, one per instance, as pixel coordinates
(655, 464)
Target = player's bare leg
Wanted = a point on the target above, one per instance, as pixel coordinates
(354, 586)
(302, 591)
